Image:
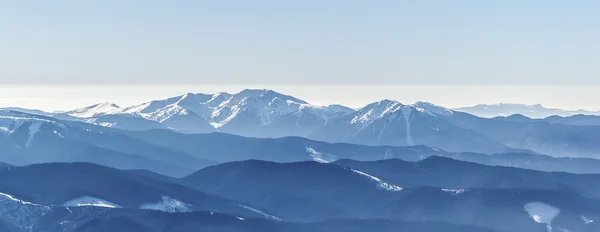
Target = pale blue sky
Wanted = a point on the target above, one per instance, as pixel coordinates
(309, 42)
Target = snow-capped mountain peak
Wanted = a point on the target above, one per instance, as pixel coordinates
(238, 113)
(218, 98)
(268, 94)
(265, 105)
(94, 110)
(432, 109)
(194, 98)
(376, 110)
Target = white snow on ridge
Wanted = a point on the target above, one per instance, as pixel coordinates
(380, 184)
(12, 123)
(267, 216)
(542, 213)
(455, 191)
(168, 205)
(432, 109)
(319, 156)
(322, 112)
(374, 111)
(235, 110)
(11, 198)
(90, 201)
(9, 124)
(218, 109)
(94, 110)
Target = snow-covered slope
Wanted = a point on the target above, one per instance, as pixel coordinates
(90, 201)
(542, 213)
(168, 204)
(248, 113)
(389, 122)
(94, 110)
(23, 128)
(432, 108)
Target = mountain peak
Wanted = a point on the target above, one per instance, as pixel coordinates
(268, 95)
(432, 108)
(385, 103)
(376, 110)
(93, 110)
(195, 98)
(104, 104)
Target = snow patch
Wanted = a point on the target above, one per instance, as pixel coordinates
(267, 216)
(455, 191)
(542, 213)
(319, 156)
(11, 122)
(235, 110)
(586, 220)
(11, 198)
(406, 112)
(374, 111)
(380, 183)
(34, 128)
(58, 133)
(168, 205)
(90, 201)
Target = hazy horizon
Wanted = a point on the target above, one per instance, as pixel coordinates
(68, 54)
(66, 97)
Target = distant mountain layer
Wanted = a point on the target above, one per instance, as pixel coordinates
(38, 218)
(453, 174)
(311, 191)
(269, 114)
(301, 196)
(575, 120)
(532, 111)
(293, 149)
(391, 123)
(31, 139)
(543, 137)
(28, 139)
(84, 184)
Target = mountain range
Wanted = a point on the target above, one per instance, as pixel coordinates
(532, 111)
(259, 160)
(269, 114)
(31, 139)
(257, 113)
(258, 195)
